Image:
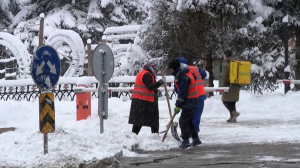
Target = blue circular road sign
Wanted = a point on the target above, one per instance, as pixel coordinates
(45, 67)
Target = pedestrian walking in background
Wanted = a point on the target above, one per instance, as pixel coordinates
(229, 98)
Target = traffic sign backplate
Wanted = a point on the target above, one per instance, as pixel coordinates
(108, 62)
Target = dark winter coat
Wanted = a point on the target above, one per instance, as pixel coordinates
(234, 89)
(201, 71)
(146, 113)
(183, 82)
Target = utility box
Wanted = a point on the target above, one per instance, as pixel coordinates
(83, 105)
(240, 72)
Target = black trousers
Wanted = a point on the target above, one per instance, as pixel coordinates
(230, 106)
(186, 124)
(136, 129)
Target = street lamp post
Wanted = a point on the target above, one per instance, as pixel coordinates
(285, 21)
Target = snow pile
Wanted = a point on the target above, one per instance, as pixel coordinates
(207, 75)
(183, 4)
(86, 81)
(270, 118)
(122, 29)
(258, 7)
(285, 19)
(94, 10)
(287, 69)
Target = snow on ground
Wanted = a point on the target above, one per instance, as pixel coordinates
(269, 118)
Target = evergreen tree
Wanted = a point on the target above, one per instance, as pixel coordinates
(193, 30)
(264, 47)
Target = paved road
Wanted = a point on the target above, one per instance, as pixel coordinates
(282, 155)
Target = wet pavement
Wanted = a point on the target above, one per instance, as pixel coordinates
(283, 155)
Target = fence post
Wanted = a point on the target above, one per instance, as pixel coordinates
(89, 54)
(41, 32)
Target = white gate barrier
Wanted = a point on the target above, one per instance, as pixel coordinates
(130, 89)
(66, 88)
(289, 81)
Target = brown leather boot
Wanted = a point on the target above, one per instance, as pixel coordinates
(230, 119)
(233, 116)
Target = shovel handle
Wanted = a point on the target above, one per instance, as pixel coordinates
(167, 94)
(169, 125)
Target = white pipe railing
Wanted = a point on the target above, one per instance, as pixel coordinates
(130, 89)
(73, 80)
(92, 79)
(289, 81)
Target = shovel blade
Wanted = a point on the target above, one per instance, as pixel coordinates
(174, 131)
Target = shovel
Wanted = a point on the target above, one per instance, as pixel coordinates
(167, 95)
(169, 125)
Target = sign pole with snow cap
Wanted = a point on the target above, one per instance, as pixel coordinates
(103, 69)
(45, 72)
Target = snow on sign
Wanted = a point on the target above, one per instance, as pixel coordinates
(45, 67)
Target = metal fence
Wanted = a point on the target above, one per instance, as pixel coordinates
(61, 92)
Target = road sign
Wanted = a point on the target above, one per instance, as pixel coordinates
(103, 69)
(47, 113)
(103, 61)
(45, 67)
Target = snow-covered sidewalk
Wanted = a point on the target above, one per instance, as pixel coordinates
(269, 118)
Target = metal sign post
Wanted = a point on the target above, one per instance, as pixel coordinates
(101, 113)
(103, 68)
(45, 72)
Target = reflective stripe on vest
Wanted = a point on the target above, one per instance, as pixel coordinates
(196, 72)
(140, 89)
(192, 90)
(199, 81)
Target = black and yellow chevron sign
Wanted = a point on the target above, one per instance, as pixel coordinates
(47, 113)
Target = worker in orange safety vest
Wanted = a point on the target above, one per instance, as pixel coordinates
(187, 101)
(201, 75)
(144, 106)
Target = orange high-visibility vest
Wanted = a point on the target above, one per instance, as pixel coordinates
(199, 81)
(192, 90)
(140, 90)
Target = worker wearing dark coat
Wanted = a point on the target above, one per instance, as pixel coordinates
(187, 101)
(144, 106)
(198, 111)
